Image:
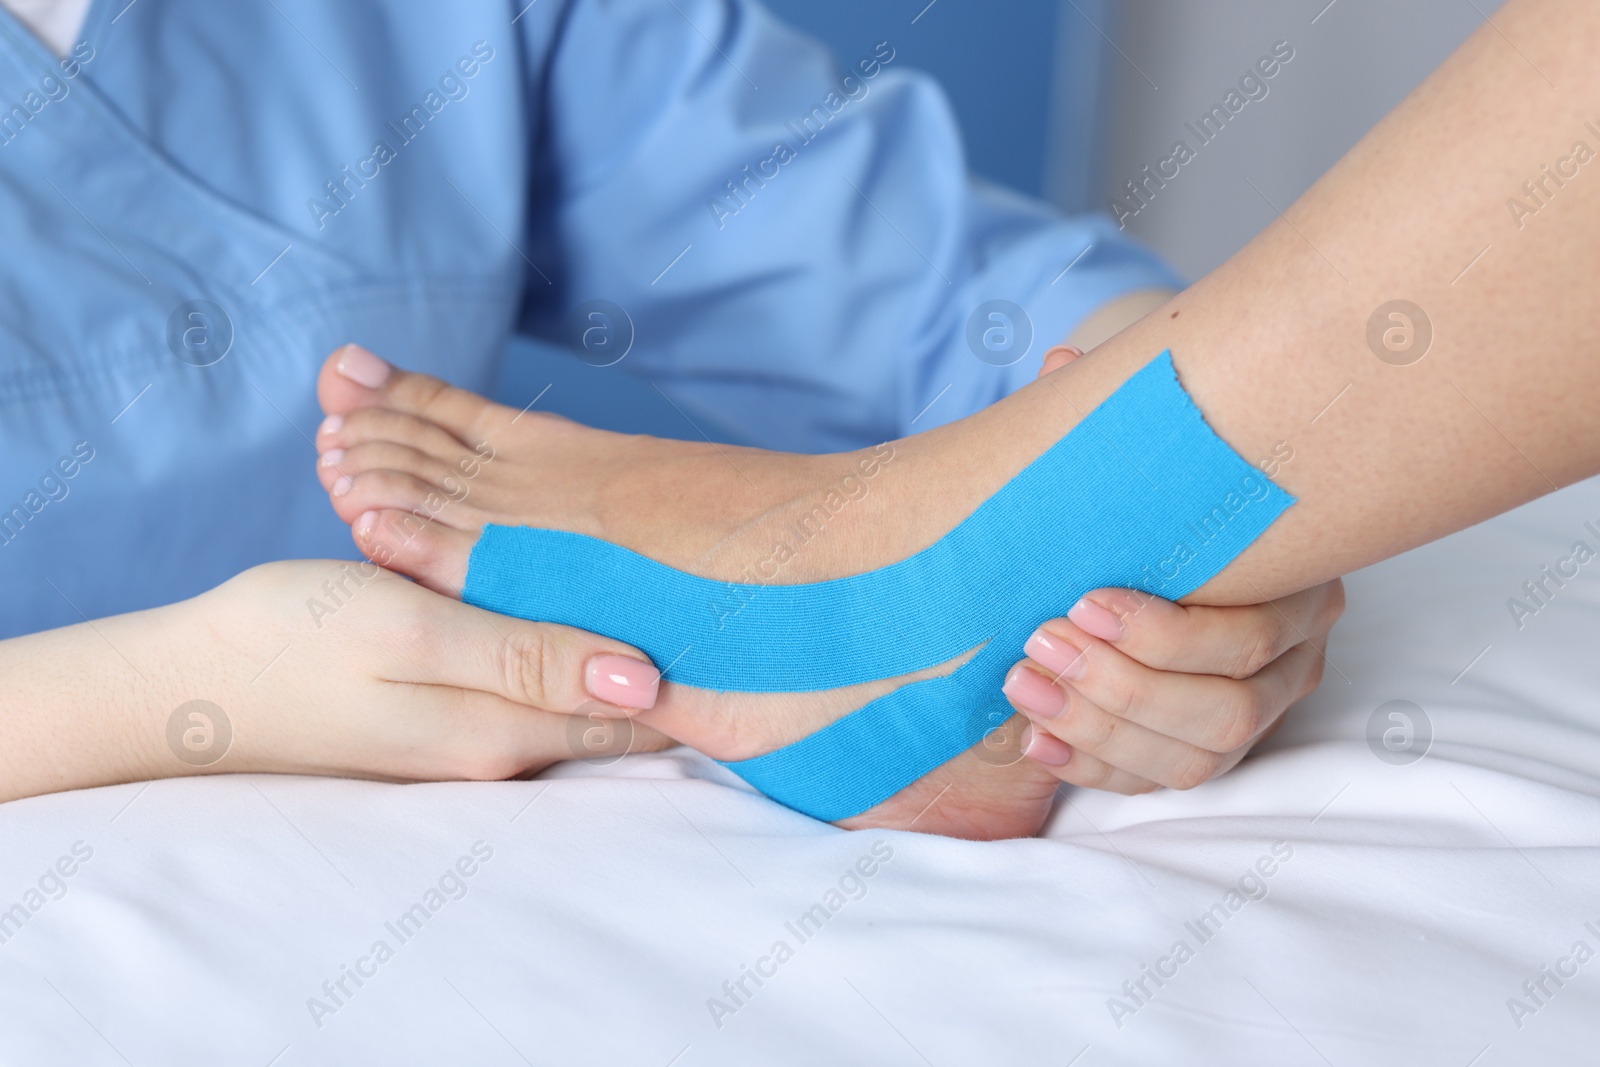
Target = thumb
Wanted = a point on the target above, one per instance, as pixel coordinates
(1059, 357)
(543, 665)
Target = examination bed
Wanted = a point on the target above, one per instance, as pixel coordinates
(1405, 874)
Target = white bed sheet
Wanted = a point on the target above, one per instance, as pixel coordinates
(618, 901)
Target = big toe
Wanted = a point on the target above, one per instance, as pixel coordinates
(409, 543)
(353, 378)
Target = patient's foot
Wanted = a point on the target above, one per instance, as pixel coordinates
(417, 468)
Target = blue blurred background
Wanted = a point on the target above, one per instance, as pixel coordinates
(1024, 81)
(1066, 100)
(999, 64)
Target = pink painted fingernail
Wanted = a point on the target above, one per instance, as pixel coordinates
(1055, 654)
(365, 524)
(1046, 748)
(362, 367)
(1091, 618)
(341, 485)
(332, 456)
(622, 680)
(1034, 693)
(330, 425)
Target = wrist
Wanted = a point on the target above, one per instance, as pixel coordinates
(86, 705)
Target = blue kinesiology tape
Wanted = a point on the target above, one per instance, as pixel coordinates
(1140, 494)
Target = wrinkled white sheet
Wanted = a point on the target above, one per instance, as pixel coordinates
(1406, 906)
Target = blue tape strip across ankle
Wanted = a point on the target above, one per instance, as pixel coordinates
(1140, 494)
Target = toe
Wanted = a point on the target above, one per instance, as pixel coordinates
(351, 378)
(353, 495)
(433, 554)
(367, 425)
(386, 455)
(354, 378)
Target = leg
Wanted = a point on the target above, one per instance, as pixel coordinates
(1273, 346)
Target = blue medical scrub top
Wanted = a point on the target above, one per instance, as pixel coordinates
(204, 199)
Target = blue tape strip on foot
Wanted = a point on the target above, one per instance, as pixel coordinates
(1141, 494)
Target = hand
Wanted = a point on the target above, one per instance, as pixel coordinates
(1130, 692)
(317, 667)
(398, 682)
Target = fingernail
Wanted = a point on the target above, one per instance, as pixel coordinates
(332, 456)
(364, 525)
(1055, 654)
(1091, 618)
(1034, 693)
(622, 680)
(341, 486)
(331, 424)
(1046, 748)
(362, 367)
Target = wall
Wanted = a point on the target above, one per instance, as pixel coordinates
(1353, 61)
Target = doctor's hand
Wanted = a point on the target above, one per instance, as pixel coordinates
(313, 667)
(1130, 692)
(379, 677)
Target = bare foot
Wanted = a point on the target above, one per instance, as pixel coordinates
(418, 468)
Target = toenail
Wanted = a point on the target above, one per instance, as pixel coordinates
(364, 525)
(342, 485)
(1035, 694)
(332, 456)
(1055, 654)
(362, 367)
(330, 425)
(622, 680)
(1046, 748)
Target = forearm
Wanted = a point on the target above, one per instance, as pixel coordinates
(1273, 346)
(86, 705)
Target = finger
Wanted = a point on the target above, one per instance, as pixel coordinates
(537, 665)
(1080, 768)
(587, 736)
(1093, 731)
(1059, 357)
(493, 738)
(1208, 711)
(1232, 641)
